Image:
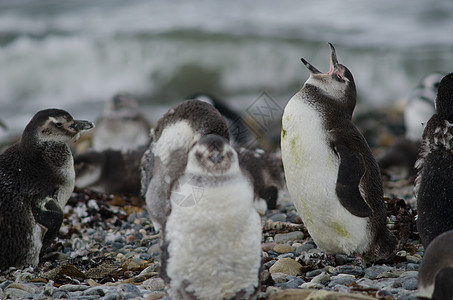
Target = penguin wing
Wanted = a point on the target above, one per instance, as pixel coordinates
(350, 172)
(47, 213)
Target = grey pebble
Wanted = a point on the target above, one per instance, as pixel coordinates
(4, 284)
(293, 283)
(15, 293)
(288, 237)
(312, 274)
(351, 270)
(374, 271)
(59, 294)
(410, 284)
(269, 264)
(278, 217)
(304, 247)
(412, 267)
(73, 287)
(342, 279)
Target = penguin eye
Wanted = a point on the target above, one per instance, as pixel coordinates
(59, 124)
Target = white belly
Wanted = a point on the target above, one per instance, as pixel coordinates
(311, 170)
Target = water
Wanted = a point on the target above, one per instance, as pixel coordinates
(76, 55)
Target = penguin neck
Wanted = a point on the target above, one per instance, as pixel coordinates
(52, 153)
(344, 107)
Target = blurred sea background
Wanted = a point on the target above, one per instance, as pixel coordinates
(77, 54)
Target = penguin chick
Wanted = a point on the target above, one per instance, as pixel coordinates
(110, 171)
(331, 174)
(435, 277)
(121, 126)
(36, 181)
(433, 186)
(212, 239)
(174, 134)
(266, 173)
(420, 106)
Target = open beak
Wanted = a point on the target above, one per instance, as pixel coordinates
(333, 58)
(333, 62)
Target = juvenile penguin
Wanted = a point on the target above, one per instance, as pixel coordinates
(331, 174)
(36, 181)
(433, 186)
(212, 239)
(174, 134)
(121, 126)
(435, 277)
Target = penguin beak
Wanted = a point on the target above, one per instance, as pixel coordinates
(333, 62)
(81, 125)
(310, 67)
(333, 59)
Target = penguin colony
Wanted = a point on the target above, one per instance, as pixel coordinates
(186, 168)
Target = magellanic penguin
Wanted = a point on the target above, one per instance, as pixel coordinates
(166, 158)
(435, 277)
(36, 181)
(121, 126)
(331, 174)
(433, 186)
(212, 238)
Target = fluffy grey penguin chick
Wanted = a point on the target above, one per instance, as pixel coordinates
(36, 180)
(331, 174)
(435, 277)
(121, 126)
(433, 185)
(174, 134)
(212, 202)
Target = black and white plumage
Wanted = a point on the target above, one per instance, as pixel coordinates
(36, 180)
(212, 238)
(433, 185)
(174, 134)
(435, 276)
(331, 174)
(121, 126)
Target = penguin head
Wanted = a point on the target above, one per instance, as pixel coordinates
(444, 100)
(54, 125)
(337, 84)
(121, 105)
(214, 155)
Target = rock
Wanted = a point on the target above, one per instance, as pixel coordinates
(322, 278)
(29, 288)
(287, 266)
(101, 271)
(313, 273)
(410, 284)
(101, 290)
(305, 247)
(278, 217)
(14, 293)
(341, 279)
(293, 283)
(73, 287)
(311, 285)
(279, 277)
(348, 269)
(374, 271)
(154, 284)
(156, 296)
(61, 271)
(288, 237)
(283, 248)
(309, 294)
(413, 258)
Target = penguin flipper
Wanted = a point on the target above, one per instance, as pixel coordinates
(350, 172)
(48, 214)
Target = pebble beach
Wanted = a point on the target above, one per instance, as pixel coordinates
(108, 249)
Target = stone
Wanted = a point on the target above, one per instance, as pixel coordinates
(322, 278)
(413, 259)
(341, 279)
(313, 273)
(279, 277)
(310, 294)
(14, 293)
(287, 266)
(288, 237)
(283, 248)
(292, 283)
(374, 271)
(154, 284)
(410, 284)
(73, 287)
(278, 217)
(305, 247)
(348, 269)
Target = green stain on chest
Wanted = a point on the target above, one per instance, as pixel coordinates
(283, 133)
(340, 229)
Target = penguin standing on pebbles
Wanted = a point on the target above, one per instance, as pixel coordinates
(36, 181)
(435, 277)
(166, 158)
(331, 174)
(212, 238)
(433, 185)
